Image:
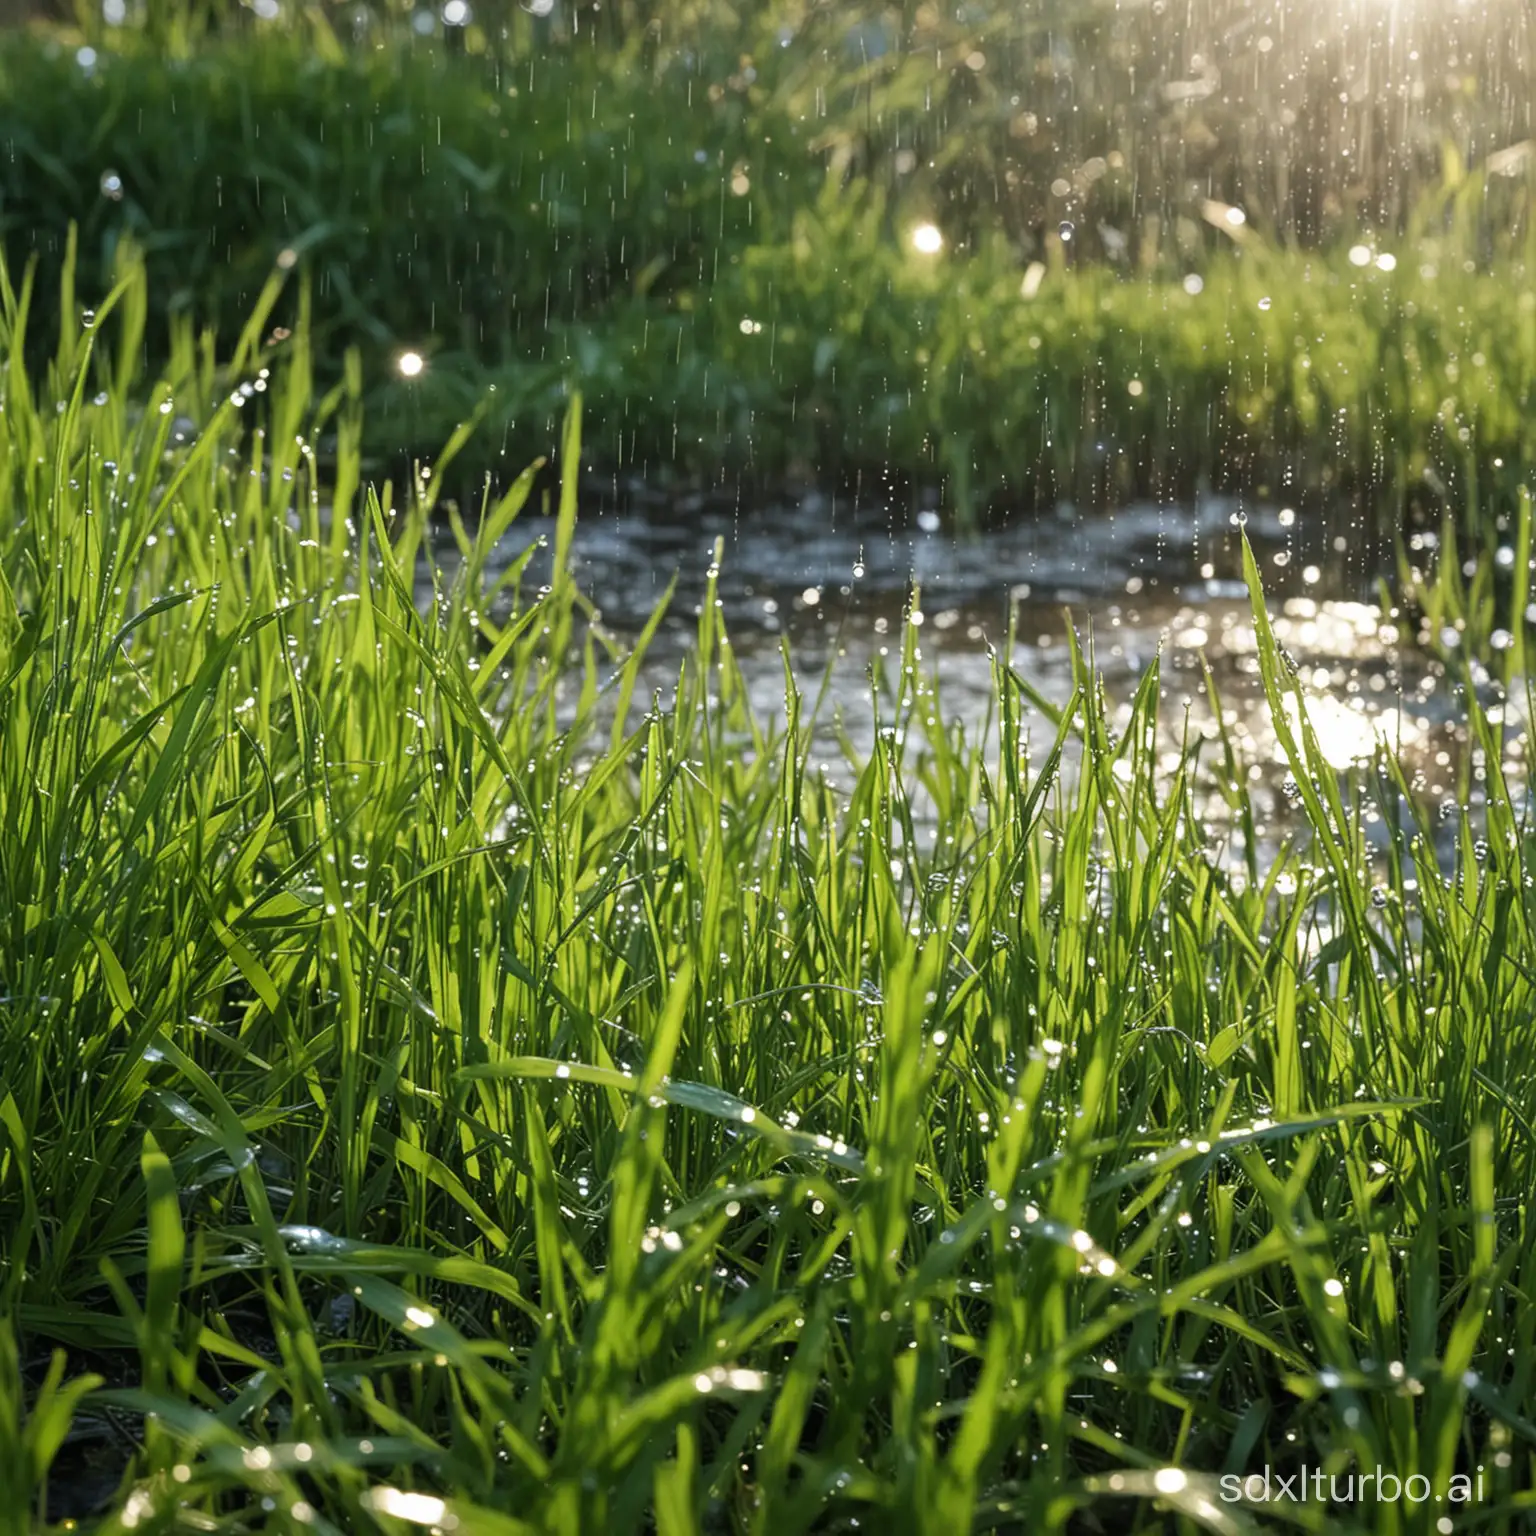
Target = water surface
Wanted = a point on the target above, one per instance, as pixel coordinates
(837, 587)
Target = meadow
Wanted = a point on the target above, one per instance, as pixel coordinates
(717, 249)
(442, 1090)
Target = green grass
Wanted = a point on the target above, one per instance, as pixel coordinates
(608, 218)
(439, 1088)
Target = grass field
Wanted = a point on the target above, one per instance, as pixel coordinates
(729, 276)
(420, 1111)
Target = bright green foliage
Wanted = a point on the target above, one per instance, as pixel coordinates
(729, 277)
(437, 1090)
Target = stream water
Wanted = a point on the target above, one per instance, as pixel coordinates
(836, 587)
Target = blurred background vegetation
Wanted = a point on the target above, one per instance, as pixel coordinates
(1267, 247)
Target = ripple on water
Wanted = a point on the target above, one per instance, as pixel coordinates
(1138, 582)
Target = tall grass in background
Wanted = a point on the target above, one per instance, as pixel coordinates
(729, 275)
(441, 1089)
(1008, 116)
